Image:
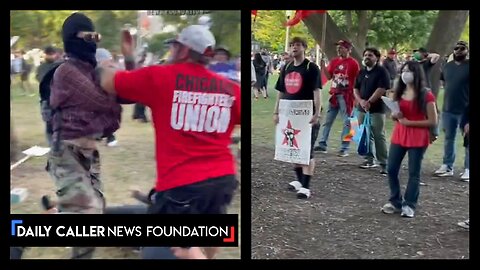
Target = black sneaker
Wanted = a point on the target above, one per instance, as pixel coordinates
(383, 170)
(111, 141)
(321, 149)
(368, 164)
(46, 203)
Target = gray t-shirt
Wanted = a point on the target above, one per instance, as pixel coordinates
(457, 86)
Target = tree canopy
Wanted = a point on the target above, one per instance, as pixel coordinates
(402, 29)
(39, 28)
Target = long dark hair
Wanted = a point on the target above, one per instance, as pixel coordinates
(419, 84)
(258, 61)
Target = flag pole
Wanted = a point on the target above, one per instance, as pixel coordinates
(324, 33)
(289, 14)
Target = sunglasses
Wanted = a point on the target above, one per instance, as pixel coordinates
(90, 36)
(369, 55)
(459, 48)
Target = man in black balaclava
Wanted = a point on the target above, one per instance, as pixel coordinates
(79, 38)
(83, 113)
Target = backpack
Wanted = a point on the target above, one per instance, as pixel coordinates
(44, 89)
(288, 64)
(434, 132)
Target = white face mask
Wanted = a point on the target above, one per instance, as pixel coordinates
(407, 77)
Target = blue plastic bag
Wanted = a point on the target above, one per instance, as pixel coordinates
(363, 138)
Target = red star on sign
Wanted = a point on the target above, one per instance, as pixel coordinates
(290, 133)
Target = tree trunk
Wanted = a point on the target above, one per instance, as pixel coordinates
(363, 25)
(333, 34)
(447, 30)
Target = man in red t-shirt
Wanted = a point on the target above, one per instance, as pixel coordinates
(343, 71)
(194, 112)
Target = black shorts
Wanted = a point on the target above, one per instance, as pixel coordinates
(211, 196)
(315, 130)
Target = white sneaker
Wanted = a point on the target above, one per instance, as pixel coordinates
(112, 143)
(443, 169)
(465, 224)
(389, 208)
(446, 174)
(303, 193)
(407, 211)
(294, 185)
(465, 176)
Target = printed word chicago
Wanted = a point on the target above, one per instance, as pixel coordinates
(78, 231)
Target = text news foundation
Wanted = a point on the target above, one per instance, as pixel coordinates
(122, 231)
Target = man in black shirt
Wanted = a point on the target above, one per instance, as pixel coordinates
(428, 60)
(456, 78)
(370, 86)
(300, 80)
(390, 63)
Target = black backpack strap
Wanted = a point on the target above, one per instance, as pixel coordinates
(433, 130)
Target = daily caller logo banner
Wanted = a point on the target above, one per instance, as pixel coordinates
(118, 230)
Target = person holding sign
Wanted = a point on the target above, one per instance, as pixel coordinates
(300, 80)
(370, 86)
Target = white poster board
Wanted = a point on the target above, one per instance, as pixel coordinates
(294, 132)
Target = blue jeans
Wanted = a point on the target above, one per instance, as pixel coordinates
(450, 125)
(395, 158)
(327, 126)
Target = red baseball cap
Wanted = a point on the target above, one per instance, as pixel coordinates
(392, 51)
(344, 44)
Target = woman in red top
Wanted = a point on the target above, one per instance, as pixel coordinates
(411, 135)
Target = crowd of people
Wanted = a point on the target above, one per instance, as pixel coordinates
(357, 89)
(82, 95)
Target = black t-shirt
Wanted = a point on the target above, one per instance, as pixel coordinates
(457, 86)
(299, 82)
(427, 69)
(391, 66)
(368, 82)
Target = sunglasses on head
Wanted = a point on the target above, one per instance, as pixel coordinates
(459, 48)
(90, 36)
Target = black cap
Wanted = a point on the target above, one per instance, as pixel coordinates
(50, 50)
(462, 43)
(224, 50)
(421, 50)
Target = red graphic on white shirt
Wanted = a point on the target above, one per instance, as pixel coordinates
(293, 82)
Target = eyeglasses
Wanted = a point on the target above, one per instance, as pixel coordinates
(90, 36)
(459, 48)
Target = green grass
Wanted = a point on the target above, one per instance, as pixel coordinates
(130, 164)
(263, 128)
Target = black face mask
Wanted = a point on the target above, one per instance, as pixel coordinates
(77, 47)
(459, 57)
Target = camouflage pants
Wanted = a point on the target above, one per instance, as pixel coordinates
(76, 172)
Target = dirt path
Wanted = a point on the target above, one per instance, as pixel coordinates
(342, 219)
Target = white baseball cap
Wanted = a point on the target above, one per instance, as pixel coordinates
(196, 37)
